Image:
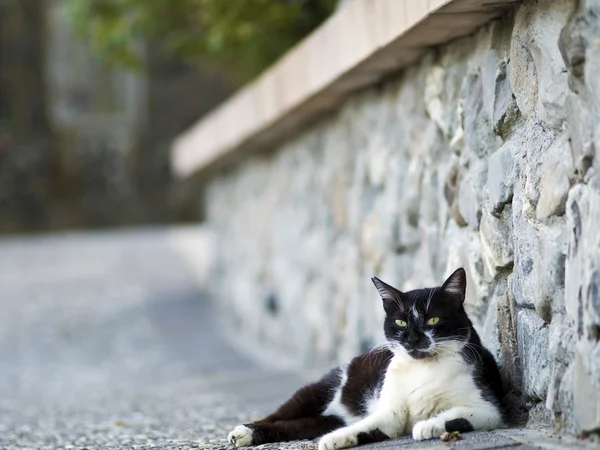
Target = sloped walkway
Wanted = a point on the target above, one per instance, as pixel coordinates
(107, 341)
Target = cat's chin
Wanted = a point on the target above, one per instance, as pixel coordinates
(419, 354)
(415, 354)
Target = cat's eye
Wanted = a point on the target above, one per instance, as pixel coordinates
(433, 320)
(401, 323)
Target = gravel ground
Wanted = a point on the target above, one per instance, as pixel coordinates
(106, 341)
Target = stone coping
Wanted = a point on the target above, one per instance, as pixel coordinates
(356, 47)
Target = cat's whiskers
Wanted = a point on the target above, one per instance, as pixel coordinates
(443, 346)
(462, 341)
(384, 345)
(378, 351)
(474, 351)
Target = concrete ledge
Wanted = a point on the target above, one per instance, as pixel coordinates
(361, 43)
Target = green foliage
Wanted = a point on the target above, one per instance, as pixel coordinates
(241, 36)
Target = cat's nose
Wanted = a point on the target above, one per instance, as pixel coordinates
(414, 339)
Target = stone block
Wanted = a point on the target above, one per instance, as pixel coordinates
(511, 368)
(550, 269)
(501, 176)
(555, 179)
(521, 284)
(498, 98)
(562, 338)
(479, 139)
(468, 203)
(538, 79)
(539, 261)
(378, 160)
(582, 281)
(442, 84)
(579, 125)
(592, 67)
(586, 387)
(539, 416)
(572, 47)
(582, 302)
(433, 94)
(496, 242)
(372, 246)
(471, 186)
(451, 185)
(532, 339)
(490, 330)
(583, 106)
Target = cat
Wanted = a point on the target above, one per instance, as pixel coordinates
(432, 375)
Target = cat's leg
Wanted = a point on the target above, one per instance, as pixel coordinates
(309, 401)
(460, 418)
(373, 428)
(304, 407)
(258, 433)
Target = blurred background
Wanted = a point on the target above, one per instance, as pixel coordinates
(92, 93)
(106, 338)
(405, 139)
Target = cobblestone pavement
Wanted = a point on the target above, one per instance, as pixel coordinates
(106, 341)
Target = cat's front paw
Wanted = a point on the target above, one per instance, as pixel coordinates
(428, 429)
(338, 439)
(240, 436)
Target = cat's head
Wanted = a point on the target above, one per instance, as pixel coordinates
(427, 322)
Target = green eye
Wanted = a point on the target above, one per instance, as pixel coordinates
(401, 323)
(433, 320)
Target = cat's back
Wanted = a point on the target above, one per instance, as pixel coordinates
(360, 384)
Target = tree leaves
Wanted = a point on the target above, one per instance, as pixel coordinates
(243, 36)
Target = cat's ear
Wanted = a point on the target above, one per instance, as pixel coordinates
(391, 297)
(455, 286)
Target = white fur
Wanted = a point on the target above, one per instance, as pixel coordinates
(241, 436)
(421, 396)
(454, 286)
(338, 439)
(336, 407)
(372, 403)
(415, 313)
(429, 335)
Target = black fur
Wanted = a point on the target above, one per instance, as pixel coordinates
(486, 374)
(293, 429)
(460, 425)
(373, 436)
(365, 376)
(301, 416)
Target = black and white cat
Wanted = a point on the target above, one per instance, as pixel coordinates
(432, 376)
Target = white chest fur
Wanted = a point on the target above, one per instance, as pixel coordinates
(419, 389)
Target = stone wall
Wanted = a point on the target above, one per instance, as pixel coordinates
(480, 156)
